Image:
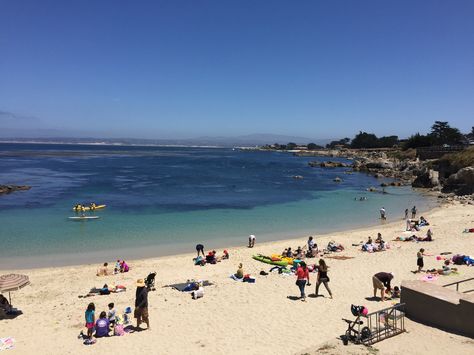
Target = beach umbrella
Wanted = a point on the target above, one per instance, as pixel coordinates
(13, 282)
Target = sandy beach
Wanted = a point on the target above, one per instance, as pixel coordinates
(243, 318)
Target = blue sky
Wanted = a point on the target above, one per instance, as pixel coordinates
(174, 69)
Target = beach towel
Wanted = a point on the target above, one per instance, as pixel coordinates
(6, 343)
(181, 286)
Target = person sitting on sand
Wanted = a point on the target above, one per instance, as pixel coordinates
(289, 253)
(396, 292)
(226, 255)
(423, 222)
(379, 238)
(284, 252)
(211, 258)
(298, 253)
(369, 241)
(381, 281)
(239, 275)
(381, 245)
(445, 269)
(102, 326)
(333, 246)
(312, 247)
(103, 270)
(124, 266)
(4, 304)
(199, 261)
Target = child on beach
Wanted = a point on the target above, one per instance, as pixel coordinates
(90, 319)
(419, 260)
(111, 315)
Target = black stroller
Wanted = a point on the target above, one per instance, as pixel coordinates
(354, 333)
(150, 281)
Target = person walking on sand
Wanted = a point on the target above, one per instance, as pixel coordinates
(141, 304)
(419, 260)
(413, 212)
(382, 213)
(323, 278)
(406, 213)
(381, 281)
(251, 241)
(302, 276)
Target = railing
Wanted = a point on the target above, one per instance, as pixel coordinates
(385, 323)
(460, 282)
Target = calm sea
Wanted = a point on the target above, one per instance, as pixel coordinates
(164, 200)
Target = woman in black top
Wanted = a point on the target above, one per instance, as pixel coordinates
(323, 277)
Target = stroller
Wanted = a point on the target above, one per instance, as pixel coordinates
(352, 334)
(150, 281)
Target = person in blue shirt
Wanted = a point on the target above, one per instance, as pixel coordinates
(102, 326)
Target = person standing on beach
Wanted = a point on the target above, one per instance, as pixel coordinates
(406, 213)
(90, 319)
(413, 212)
(141, 304)
(382, 213)
(302, 276)
(200, 249)
(381, 281)
(251, 241)
(419, 260)
(323, 278)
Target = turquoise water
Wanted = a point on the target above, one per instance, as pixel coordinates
(155, 210)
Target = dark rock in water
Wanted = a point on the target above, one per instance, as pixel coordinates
(6, 189)
(328, 164)
(461, 183)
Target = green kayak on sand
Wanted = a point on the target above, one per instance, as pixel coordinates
(268, 260)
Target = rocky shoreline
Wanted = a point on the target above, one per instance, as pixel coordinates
(6, 189)
(450, 182)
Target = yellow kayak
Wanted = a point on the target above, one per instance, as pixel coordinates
(81, 208)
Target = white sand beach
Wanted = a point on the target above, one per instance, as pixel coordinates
(243, 318)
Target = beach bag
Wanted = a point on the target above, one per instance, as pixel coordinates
(358, 310)
(118, 330)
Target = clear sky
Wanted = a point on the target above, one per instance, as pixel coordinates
(173, 69)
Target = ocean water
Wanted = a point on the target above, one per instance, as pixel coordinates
(165, 200)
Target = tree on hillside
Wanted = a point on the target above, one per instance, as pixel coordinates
(443, 133)
(342, 142)
(313, 146)
(388, 142)
(365, 140)
(417, 140)
(291, 146)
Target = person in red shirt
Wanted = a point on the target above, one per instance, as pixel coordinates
(302, 277)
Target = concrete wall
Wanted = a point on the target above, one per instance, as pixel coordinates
(439, 306)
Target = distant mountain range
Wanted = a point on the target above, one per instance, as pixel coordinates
(246, 140)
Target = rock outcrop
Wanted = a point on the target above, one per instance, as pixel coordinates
(328, 164)
(461, 183)
(426, 178)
